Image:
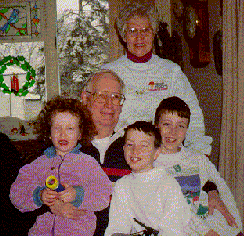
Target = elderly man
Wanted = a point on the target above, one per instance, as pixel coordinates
(103, 96)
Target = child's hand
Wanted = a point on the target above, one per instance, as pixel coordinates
(215, 202)
(49, 197)
(68, 195)
(72, 212)
(67, 210)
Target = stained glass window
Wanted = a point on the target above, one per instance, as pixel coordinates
(20, 20)
(35, 18)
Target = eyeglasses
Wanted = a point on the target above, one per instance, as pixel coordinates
(142, 31)
(101, 97)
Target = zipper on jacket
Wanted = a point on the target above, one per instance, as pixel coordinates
(52, 231)
(59, 169)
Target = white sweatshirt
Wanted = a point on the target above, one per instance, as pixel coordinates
(147, 84)
(153, 198)
(192, 170)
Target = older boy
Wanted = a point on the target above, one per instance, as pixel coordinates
(193, 170)
(147, 196)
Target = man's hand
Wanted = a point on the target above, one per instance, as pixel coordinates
(67, 210)
(211, 233)
(215, 202)
(49, 197)
(68, 195)
(121, 234)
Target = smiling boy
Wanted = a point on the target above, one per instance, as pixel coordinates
(194, 171)
(148, 194)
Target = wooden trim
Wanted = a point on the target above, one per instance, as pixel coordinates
(51, 59)
(116, 49)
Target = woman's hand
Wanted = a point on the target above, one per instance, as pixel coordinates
(215, 202)
(68, 195)
(67, 210)
(49, 197)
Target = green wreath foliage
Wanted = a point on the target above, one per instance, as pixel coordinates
(21, 62)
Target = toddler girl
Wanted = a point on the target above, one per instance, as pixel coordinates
(64, 122)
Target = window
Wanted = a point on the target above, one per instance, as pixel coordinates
(62, 54)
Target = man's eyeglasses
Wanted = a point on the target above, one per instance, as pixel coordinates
(101, 97)
(143, 31)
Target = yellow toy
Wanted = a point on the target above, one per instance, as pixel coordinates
(53, 184)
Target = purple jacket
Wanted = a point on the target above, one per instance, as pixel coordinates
(93, 190)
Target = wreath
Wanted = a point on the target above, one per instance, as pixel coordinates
(21, 62)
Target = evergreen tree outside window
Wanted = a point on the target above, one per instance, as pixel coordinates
(83, 43)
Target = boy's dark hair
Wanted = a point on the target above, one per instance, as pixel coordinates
(148, 128)
(63, 104)
(172, 105)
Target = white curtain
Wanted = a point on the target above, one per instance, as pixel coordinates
(231, 165)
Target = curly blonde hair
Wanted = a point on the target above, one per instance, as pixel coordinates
(137, 9)
(63, 104)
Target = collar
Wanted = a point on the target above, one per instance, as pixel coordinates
(51, 152)
(137, 59)
(119, 133)
(157, 173)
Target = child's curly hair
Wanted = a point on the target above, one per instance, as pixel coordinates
(64, 104)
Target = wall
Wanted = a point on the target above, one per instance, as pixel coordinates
(32, 108)
(206, 82)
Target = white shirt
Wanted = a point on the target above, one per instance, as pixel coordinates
(147, 84)
(102, 145)
(153, 198)
(184, 165)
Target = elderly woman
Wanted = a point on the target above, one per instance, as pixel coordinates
(148, 78)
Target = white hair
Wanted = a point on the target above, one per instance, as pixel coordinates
(137, 9)
(90, 81)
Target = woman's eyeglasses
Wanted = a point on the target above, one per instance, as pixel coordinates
(143, 31)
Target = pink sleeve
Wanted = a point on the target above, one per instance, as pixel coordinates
(21, 192)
